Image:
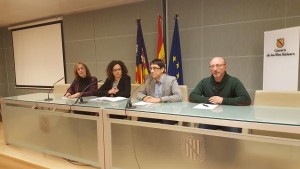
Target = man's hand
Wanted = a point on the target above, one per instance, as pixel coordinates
(151, 99)
(216, 100)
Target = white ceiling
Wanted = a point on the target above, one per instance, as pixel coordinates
(13, 12)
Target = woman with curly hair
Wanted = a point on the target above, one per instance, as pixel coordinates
(118, 83)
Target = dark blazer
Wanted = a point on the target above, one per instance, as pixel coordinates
(124, 87)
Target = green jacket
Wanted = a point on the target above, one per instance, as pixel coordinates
(230, 88)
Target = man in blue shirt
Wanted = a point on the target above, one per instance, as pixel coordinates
(159, 87)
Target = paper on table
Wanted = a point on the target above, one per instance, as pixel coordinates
(205, 106)
(141, 103)
(66, 98)
(112, 99)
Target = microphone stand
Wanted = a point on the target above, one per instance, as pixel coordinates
(49, 99)
(129, 103)
(80, 96)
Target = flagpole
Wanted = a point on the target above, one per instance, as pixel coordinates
(165, 32)
(176, 16)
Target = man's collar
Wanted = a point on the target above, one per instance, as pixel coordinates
(224, 77)
(161, 78)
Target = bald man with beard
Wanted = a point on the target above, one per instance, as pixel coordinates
(220, 88)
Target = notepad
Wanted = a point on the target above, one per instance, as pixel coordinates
(205, 106)
(66, 98)
(141, 103)
(112, 99)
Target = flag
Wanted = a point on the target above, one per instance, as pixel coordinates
(175, 63)
(142, 66)
(160, 44)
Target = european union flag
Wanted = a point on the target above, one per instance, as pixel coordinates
(175, 62)
(142, 66)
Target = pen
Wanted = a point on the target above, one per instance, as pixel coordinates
(205, 105)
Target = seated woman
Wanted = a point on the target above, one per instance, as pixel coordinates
(118, 83)
(82, 79)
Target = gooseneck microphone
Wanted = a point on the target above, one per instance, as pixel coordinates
(129, 103)
(49, 99)
(80, 96)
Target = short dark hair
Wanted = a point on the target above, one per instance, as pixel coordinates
(88, 73)
(110, 66)
(159, 62)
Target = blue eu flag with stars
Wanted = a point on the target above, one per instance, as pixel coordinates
(175, 62)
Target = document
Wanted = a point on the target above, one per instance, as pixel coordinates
(141, 103)
(112, 99)
(205, 106)
(66, 98)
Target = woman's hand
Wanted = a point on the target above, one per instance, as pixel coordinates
(67, 94)
(72, 96)
(113, 90)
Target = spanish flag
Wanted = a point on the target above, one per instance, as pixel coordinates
(142, 66)
(175, 62)
(160, 44)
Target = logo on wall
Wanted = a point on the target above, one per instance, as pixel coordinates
(193, 147)
(280, 42)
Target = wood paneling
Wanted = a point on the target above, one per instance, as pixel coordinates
(12, 163)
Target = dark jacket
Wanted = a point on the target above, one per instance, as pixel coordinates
(76, 84)
(124, 87)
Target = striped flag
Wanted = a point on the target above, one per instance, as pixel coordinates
(142, 66)
(175, 62)
(160, 44)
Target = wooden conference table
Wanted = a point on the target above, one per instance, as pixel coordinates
(52, 127)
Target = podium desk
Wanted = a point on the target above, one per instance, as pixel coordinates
(109, 143)
(143, 145)
(49, 127)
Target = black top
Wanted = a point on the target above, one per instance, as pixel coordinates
(124, 87)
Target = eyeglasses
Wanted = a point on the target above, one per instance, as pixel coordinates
(154, 68)
(217, 66)
(114, 70)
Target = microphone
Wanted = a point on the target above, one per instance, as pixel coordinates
(80, 96)
(129, 103)
(49, 99)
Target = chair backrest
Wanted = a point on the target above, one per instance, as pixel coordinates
(277, 98)
(134, 90)
(62, 88)
(184, 92)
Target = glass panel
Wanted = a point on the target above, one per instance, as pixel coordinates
(60, 134)
(261, 114)
(136, 147)
(58, 99)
